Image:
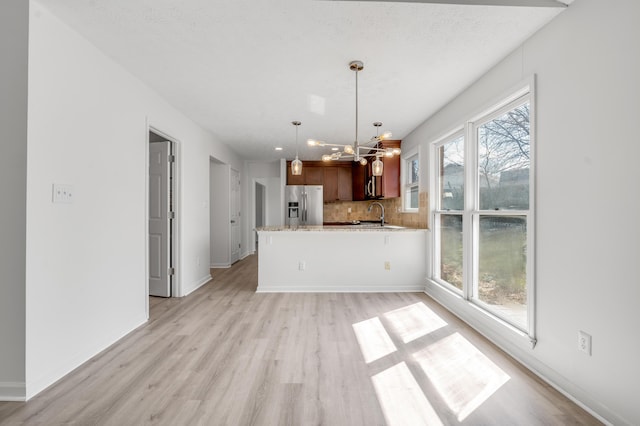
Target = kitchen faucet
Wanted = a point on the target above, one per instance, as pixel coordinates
(381, 211)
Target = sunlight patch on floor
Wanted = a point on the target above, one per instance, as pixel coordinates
(401, 398)
(462, 375)
(414, 321)
(373, 339)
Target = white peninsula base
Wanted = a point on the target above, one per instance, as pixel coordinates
(335, 260)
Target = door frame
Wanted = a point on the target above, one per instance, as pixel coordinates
(176, 282)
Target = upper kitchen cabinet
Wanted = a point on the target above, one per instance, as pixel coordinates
(390, 179)
(334, 176)
(337, 181)
(293, 179)
(312, 174)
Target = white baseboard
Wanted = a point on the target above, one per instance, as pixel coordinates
(520, 353)
(13, 391)
(220, 265)
(247, 254)
(196, 285)
(338, 289)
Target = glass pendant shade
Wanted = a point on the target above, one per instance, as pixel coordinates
(296, 167)
(376, 167)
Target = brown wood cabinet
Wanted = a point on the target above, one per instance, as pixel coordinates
(334, 176)
(337, 182)
(345, 190)
(312, 174)
(390, 180)
(360, 176)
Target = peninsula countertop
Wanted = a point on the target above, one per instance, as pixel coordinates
(333, 228)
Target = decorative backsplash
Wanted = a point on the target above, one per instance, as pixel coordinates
(338, 211)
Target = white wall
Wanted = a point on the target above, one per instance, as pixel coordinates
(587, 67)
(14, 36)
(86, 262)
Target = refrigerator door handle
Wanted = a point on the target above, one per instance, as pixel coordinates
(304, 208)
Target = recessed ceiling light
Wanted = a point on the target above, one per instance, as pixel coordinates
(278, 148)
(334, 148)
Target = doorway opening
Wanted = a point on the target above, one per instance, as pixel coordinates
(162, 215)
(261, 207)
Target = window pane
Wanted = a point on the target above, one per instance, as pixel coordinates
(503, 161)
(502, 264)
(411, 197)
(451, 249)
(451, 173)
(414, 169)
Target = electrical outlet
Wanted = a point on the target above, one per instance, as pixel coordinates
(302, 265)
(584, 342)
(62, 193)
(387, 265)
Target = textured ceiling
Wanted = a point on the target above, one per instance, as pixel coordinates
(244, 69)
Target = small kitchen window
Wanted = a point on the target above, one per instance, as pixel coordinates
(411, 180)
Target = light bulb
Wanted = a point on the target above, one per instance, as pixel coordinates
(312, 142)
(385, 135)
(348, 149)
(326, 157)
(388, 152)
(363, 161)
(396, 151)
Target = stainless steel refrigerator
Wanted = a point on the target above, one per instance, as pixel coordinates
(303, 205)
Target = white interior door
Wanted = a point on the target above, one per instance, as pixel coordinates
(160, 272)
(234, 195)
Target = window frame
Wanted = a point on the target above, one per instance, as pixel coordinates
(407, 186)
(471, 212)
(438, 211)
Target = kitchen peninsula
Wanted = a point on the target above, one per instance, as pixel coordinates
(341, 259)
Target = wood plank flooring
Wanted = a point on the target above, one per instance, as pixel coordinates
(225, 355)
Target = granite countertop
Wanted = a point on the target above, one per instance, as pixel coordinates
(344, 228)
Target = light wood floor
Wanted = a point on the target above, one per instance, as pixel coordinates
(227, 356)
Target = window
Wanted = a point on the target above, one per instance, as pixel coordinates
(483, 212)
(412, 175)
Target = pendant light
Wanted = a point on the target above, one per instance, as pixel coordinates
(296, 165)
(377, 166)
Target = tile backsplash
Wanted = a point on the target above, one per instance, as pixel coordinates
(338, 211)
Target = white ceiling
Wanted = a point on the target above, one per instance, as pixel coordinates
(244, 69)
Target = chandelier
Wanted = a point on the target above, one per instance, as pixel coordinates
(359, 152)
